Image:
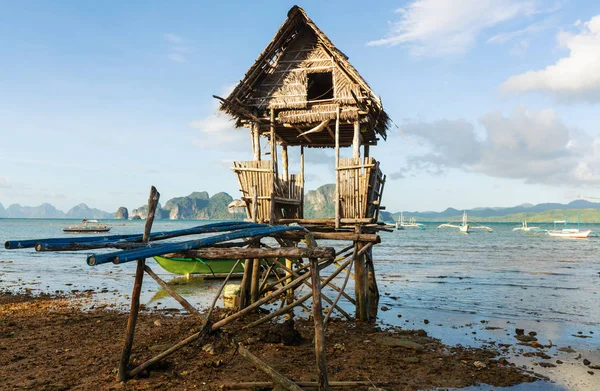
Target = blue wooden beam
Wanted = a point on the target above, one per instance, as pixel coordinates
(166, 248)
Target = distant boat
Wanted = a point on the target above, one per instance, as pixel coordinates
(464, 226)
(525, 228)
(411, 223)
(575, 233)
(87, 226)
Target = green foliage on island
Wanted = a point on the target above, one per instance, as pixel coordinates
(196, 206)
(320, 203)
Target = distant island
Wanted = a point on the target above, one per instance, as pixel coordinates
(318, 203)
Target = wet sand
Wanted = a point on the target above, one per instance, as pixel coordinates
(50, 343)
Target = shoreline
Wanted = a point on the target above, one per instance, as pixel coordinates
(41, 329)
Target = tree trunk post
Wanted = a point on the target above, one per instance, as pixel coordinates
(319, 329)
(137, 288)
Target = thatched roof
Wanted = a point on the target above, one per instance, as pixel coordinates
(250, 102)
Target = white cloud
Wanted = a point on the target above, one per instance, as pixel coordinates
(438, 27)
(532, 145)
(178, 49)
(218, 131)
(574, 77)
(173, 38)
(4, 182)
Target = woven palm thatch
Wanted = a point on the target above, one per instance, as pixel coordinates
(278, 81)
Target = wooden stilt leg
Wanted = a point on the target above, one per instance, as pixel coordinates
(137, 288)
(255, 284)
(319, 329)
(360, 287)
(246, 284)
(373, 289)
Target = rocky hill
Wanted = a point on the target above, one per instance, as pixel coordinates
(122, 213)
(320, 202)
(82, 210)
(44, 211)
(196, 206)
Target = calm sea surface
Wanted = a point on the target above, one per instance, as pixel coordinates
(454, 281)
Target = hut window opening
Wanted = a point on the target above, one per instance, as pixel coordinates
(320, 86)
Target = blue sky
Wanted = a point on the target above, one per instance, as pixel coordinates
(497, 100)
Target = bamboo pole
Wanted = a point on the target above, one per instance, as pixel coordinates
(319, 330)
(184, 303)
(263, 366)
(301, 300)
(290, 300)
(301, 214)
(284, 162)
(356, 140)
(264, 300)
(348, 273)
(255, 252)
(137, 287)
(256, 140)
(204, 319)
(255, 205)
(337, 166)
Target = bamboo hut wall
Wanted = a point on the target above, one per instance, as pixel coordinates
(360, 186)
(287, 195)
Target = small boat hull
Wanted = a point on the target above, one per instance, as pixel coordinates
(75, 230)
(575, 234)
(216, 268)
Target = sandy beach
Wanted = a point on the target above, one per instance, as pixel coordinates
(52, 343)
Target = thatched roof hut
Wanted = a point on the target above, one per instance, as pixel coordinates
(301, 79)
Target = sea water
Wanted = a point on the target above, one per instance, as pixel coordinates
(468, 289)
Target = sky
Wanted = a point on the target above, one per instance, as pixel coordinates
(494, 102)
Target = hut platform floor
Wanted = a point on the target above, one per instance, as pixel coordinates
(51, 343)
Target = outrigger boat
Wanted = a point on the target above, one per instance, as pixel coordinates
(87, 226)
(411, 223)
(525, 228)
(571, 232)
(216, 268)
(464, 227)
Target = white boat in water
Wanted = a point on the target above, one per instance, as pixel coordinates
(525, 228)
(464, 226)
(575, 233)
(411, 223)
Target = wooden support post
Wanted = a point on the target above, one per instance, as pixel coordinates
(366, 150)
(284, 163)
(361, 285)
(301, 213)
(319, 330)
(356, 140)
(273, 145)
(246, 284)
(373, 290)
(256, 141)
(255, 204)
(255, 285)
(337, 166)
(137, 288)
